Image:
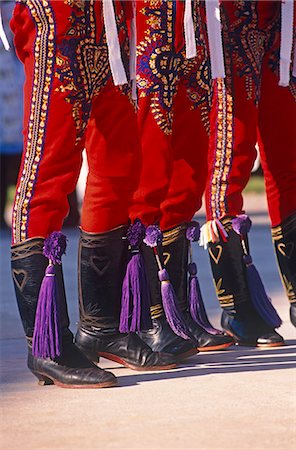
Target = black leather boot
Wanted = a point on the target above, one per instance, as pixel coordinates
(161, 337)
(71, 369)
(284, 238)
(239, 318)
(102, 266)
(176, 249)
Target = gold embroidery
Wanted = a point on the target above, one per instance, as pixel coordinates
(20, 277)
(166, 258)
(173, 235)
(218, 285)
(156, 311)
(289, 289)
(277, 233)
(216, 258)
(224, 149)
(286, 249)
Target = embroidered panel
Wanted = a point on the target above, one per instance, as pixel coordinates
(161, 66)
(82, 59)
(224, 149)
(245, 43)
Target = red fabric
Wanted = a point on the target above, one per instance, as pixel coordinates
(112, 143)
(171, 103)
(254, 100)
(189, 171)
(277, 119)
(174, 167)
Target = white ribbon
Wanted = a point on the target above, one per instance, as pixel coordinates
(215, 38)
(3, 36)
(133, 54)
(190, 42)
(116, 64)
(286, 42)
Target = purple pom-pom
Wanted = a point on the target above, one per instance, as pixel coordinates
(55, 246)
(242, 224)
(153, 236)
(136, 233)
(193, 232)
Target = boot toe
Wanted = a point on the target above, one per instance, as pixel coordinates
(93, 377)
(210, 342)
(160, 360)
(101, 378)
(179, 347)
(293, 314)
(250, 331)
(162, 339)
(272, 339)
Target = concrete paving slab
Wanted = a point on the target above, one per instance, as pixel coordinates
(241, 398)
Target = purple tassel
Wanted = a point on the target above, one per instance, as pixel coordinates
(258, 295)
(47, 328)
(193, 232)
(153, 236)
(241, 224)
(47, 333)
(135, 302)
(55, 247)
(196, 304)
(135, 297)
(170, 306)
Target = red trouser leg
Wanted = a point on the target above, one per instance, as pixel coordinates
(188, 179)
(51, 158)
(59, 91)
(248, 29)
(277, 121)
(112, 146)
(174, 166)
(169, 89)
(157, 161)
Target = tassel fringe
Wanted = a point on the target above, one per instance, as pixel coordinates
(135, 304)
(212, 231)
(196, 304)
(47, 332)
(260, 299)
(135, 301)
(47, 328)
(171, 309)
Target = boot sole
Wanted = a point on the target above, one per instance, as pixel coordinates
(254, 344)
(215, 347)
(45, 380)
(187, 354)
(275, 344)
(124, 363)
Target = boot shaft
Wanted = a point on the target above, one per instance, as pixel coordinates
(284, 239)
(173, 254)
(228, 269)
(102, 262)
(28, 265)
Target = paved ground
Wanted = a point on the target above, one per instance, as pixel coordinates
(237, 399)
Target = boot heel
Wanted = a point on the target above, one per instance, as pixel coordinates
(93, 358)
(43, 380)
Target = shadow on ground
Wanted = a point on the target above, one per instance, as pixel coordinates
(234, 360)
